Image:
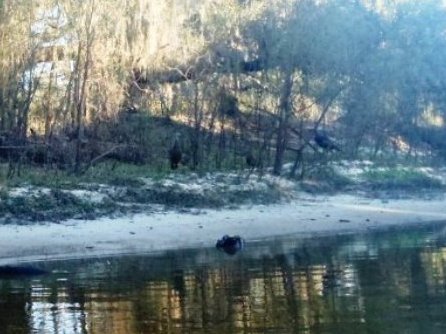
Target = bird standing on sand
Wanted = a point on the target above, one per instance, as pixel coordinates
(251, 161)
(175, 154)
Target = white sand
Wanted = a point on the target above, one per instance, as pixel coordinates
(158, 232)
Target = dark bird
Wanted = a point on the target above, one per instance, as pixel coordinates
(175, 154)
(230, 245)
(19, 271)
(251, 161)
(322, 140)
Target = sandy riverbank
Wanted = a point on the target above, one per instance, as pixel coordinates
(163, 231)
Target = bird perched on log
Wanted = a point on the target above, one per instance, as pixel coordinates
(175, 153)
(230, 245)
(322, 140)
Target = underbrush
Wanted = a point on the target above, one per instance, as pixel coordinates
(109, 173)
(400, 178)
(214, 196)
(325, 179)
(52, 205)
(118, 188)
(40, 195)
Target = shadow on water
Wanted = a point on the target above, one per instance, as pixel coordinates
(382, 282)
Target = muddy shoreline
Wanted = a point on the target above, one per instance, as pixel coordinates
(156, 232)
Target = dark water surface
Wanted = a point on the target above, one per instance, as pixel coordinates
(381, 282)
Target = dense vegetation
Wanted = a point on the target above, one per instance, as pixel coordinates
(236, 81)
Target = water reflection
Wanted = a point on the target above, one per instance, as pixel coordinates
(385, 282)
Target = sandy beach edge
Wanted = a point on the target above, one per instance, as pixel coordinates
(145, 233)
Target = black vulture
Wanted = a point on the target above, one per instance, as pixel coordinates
(251, 161)
(230, 245)
(325, 142)
(175, 154)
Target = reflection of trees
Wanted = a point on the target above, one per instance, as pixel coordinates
(236, 297)
(433, 261)
(13, 311)
(53, 310)
(309, 289)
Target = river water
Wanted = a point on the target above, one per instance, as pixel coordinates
(391, 281)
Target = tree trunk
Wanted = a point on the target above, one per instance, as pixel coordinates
(196, 139)
(284, 115)
(81, 104)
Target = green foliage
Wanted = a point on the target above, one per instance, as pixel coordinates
(399, 178)
(109, 173)
(223, 193)
(170, 197)
(54, 205)
(325, 179)
(38, 195)
(374, 69)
